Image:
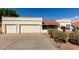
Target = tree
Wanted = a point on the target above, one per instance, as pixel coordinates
(7, 12)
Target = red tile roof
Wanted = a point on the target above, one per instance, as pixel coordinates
(50, 22)
(75, 24)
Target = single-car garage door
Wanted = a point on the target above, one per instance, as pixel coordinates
(11, 29)
(30, 28)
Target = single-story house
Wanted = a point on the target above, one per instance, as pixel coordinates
(32, 24)
(57, 24)
(21, 24)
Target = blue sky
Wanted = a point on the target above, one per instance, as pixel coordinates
(48, 13)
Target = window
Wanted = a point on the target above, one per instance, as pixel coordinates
(68, 26)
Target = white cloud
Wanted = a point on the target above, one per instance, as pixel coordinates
(74, 19)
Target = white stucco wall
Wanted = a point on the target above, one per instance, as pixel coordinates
(63, 22)
(20, 20)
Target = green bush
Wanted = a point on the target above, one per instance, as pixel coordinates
(59, 36)
(74, 38)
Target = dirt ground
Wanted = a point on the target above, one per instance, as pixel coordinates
(63, 46)
(0, 29)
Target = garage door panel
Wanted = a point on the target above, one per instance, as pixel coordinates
(10, 28)
(30, 28)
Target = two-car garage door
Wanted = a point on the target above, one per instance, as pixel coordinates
(29, 28)
(23, 28)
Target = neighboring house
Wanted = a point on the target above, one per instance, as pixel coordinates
(21, 25)
(75, 24)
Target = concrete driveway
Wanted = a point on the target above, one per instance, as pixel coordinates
(25, 42)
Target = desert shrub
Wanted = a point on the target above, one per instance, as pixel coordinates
(0, 24)
(74, 38)
(59, 36)
(51, 30)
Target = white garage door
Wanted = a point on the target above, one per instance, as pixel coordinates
(30, 28)
(11, 29)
